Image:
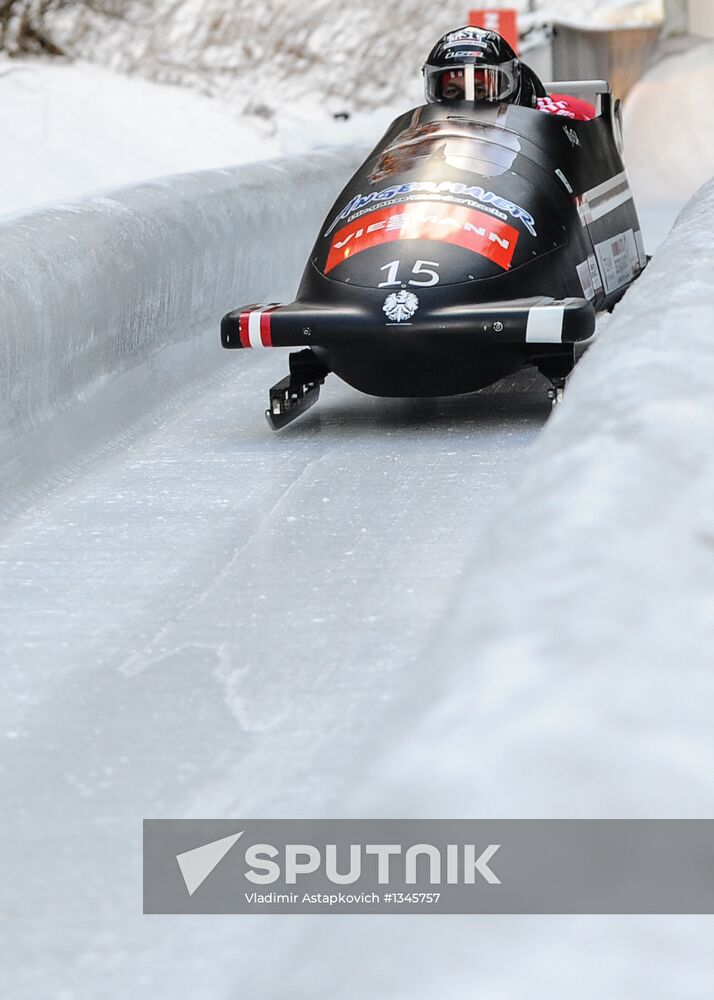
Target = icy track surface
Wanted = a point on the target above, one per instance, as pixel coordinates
(207, 620)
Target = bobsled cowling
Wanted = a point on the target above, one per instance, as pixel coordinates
(473, 241)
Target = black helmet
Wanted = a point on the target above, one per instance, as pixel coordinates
(473, 64)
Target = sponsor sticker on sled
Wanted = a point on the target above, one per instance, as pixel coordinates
(433, 190)
(464, 227)
(595, 273)
(589, 275)
(618, 258)
(586, 280)
(572, 136)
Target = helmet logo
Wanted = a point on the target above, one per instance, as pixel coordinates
(400, 306)
(476, 35)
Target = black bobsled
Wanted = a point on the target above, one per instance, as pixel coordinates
(474, 241)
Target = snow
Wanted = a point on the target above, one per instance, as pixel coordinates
(72, 128)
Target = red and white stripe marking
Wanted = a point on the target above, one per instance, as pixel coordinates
(255, 329)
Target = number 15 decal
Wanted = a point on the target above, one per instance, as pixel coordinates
(422, 267)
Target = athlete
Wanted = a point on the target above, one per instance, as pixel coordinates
(473, 64)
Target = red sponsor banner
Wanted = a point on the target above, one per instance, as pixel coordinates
(465, 227)
(504, 22)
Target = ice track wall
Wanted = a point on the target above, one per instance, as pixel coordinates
(583, 636)
(572, 674)
(92, 289)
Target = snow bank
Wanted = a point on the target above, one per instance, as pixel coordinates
(71, 128)
(91, 289)
(573, 674)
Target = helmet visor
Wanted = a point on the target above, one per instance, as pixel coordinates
(472, 82)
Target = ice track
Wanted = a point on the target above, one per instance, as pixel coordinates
(208, 619)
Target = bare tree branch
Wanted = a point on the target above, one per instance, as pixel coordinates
(25, 25)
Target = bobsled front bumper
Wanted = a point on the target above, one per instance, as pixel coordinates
(521, 321)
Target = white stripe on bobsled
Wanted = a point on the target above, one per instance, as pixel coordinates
(254, 328)
(605, 207)
(590, 212)
(545, 325)
(602, 189)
